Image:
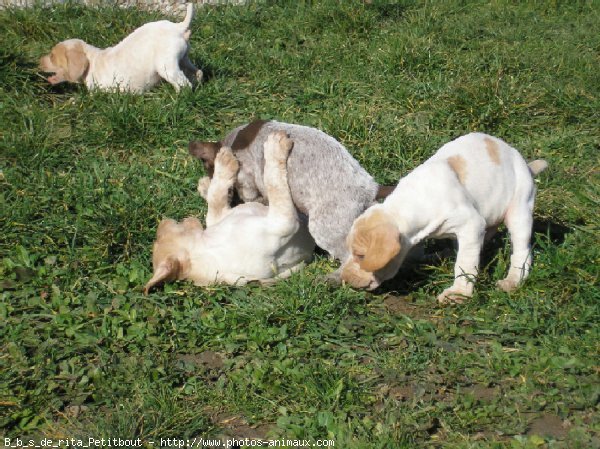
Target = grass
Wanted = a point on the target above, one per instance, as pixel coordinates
(87, 176)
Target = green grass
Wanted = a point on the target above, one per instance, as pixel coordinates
(87, 176)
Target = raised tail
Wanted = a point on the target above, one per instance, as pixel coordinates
(537, 166)
(188, 17)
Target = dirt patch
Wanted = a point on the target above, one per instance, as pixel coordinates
(482, 393)
(549, 426)
(401, 305)
(236, 426)
(210, 360)
(400, 393)
(491, 436)
(204, 361)
(416, 390)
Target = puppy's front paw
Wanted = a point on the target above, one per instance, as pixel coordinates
(278, 146)
(191, 223)
(507, 285)
(203, 185)
(452, 296)
(226, 165)
(199, 76)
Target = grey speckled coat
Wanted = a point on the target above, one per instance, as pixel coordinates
(328, 185)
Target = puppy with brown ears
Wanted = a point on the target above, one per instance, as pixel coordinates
(469, 187)
(250, 242)
(155, 51)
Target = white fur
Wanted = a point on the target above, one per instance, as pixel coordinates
(248, 245)
(431, 202)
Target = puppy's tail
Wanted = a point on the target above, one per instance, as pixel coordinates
(188, 17)
(537, 166)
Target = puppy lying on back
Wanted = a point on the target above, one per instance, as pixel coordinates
(470, 186)
(327, 183)
(249, 242)
(155, 51)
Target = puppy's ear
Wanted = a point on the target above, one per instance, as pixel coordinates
(77, 63)
(206, 152)
(375, 241)
(56, 61)
(166, 270)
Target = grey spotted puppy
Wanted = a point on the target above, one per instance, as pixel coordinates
(327, 184)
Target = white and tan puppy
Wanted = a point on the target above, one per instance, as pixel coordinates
(154, 51)
(246, 243)
(470, 186)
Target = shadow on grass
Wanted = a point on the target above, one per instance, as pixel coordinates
(209, 71)
(387, 10)
(413, 274)
(15, 69)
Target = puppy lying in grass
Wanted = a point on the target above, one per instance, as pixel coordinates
(241, 244)
(469, 187)
(328, 185)
(155, 50)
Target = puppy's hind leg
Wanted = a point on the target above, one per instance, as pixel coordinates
(282, 212)
(170, 72)
(193, 73)
(226, 168)
(519, 222)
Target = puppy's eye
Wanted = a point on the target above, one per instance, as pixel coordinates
(359, 257)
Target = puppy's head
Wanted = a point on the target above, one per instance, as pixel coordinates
(170, 256)
(374, 240)
(207, 153)
(67, 61)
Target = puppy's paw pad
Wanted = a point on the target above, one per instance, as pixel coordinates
(285, 143)
(451, 296)
(226, 165)
(278, 145)
(507, 285)
(191, 223)
(203, 185)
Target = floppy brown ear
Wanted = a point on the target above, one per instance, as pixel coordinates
(206, 152)
(165, 271)
(56, 61)
(77, 63)
(376, 246)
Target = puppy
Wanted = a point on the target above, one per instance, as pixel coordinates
(468, 187)
(328, 185)
(241, 244)
(155, 51)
